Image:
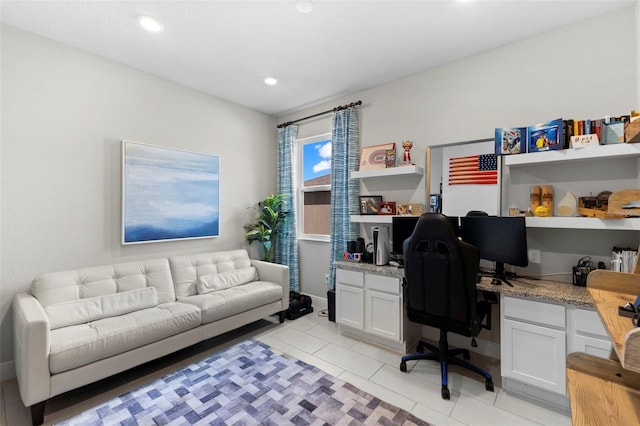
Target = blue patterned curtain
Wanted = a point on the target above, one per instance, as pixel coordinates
(287, 242)
(345, 154)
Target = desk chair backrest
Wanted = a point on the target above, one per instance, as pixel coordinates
(440, 277)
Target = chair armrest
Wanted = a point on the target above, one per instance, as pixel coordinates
(31, 334)
(276, 273)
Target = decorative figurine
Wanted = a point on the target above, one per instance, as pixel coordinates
(406, 160)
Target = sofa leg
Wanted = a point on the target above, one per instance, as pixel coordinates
(281, 315)
(37, 413)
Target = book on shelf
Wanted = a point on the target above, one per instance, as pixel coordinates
(510, 140)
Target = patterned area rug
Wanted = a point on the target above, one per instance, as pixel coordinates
(246, 385)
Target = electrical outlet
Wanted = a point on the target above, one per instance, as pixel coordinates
(534, 256)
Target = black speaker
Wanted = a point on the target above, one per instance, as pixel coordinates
(331, 301)
(351, 246)
(360, 245)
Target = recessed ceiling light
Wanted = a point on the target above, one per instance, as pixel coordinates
(150, 24)
(271, 81)
(304, 6)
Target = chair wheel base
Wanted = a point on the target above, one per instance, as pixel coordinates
(403, 367)
(488, 385)
(445, 393)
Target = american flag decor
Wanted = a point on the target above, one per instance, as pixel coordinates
(473, 169)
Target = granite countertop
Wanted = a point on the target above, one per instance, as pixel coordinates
(542, 290)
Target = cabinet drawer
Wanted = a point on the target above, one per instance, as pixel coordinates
(350, 277)
(588, 322)
(535, 312)
(388, 285)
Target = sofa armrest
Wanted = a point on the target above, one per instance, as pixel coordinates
(31, 334)
(275, 273)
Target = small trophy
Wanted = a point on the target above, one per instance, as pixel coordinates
(406, 159)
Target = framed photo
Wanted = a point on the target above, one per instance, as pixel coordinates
(168, 194)
(409, 209)
(387, 207)
(545, 136)
(375, 157)
(369, 204)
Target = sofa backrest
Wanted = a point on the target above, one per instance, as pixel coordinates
(74, 285)
(187, 270)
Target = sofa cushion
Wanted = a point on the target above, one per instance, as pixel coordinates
(214, 282)
(75, 312)
(57, 287)
(82, 344)
(186, 270)
(221, 304)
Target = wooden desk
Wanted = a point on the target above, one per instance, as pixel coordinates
(601, 391)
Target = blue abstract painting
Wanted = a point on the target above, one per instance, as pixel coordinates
(168, 194)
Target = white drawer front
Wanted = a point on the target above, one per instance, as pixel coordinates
(389, 285)
(350, 277)
(535, 312)
(588, 321)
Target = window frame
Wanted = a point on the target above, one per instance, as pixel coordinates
(301, 189)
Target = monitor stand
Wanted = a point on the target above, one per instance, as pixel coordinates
(499, 276)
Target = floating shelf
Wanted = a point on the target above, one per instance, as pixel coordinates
(625, 224)
(391, 171)
(373, 218)
(600, 152)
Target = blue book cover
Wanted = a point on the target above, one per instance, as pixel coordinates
(511, 140)
(545, 136)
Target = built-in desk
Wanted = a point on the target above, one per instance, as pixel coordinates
(540, 322)
(607, 391)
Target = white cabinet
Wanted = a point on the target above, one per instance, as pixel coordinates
(533, 343)
(370, 305)
(535, 339)
(382, 306)
(350, 298)
(586, 333)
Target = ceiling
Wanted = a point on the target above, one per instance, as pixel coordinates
(341, 47)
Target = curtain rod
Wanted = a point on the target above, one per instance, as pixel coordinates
(338, 108)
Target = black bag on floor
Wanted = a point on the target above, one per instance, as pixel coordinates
(299, 305)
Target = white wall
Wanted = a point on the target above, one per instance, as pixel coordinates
(589, 69)
(64, 114)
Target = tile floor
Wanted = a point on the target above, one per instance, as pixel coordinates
(317, 341)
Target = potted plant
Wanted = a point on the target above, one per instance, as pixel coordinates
(265, 230)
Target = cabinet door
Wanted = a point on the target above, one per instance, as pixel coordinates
(534, 355)
(590, 345)
(382, 314)
(350, 298)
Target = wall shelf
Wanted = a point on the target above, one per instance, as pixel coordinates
(373, 218)
(557, 222)
(600, 152)
(391, 171)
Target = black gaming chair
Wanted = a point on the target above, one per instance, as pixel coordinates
(440, 291)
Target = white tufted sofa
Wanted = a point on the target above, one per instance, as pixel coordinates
(76, 327)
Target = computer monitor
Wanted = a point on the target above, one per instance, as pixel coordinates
(402, 227)
(502, 240)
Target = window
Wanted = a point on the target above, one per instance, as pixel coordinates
(314, 186)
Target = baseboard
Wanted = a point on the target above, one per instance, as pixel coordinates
(7, 371)
(547, 399)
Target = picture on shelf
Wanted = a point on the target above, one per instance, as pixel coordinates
(390, 158)
(545, 136)
(409, 209)
(375, 157)
(369, 204)
(387, 208)
(511, 140)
